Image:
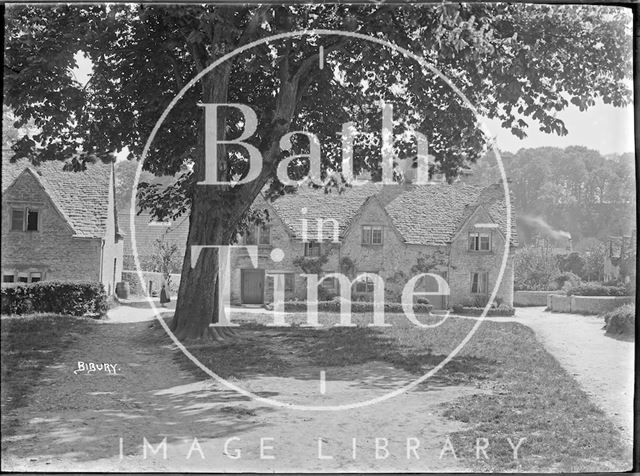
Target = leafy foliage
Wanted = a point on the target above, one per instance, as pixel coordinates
(534, 269)
(311, 264)
(571, 263)
(621, 321)
(166, 259)
(142, 55)
(75, 299)
(596, 289)
(565, 279)
(503, 310)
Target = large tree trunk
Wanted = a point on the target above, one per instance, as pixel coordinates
(197, 306)
(216, 212)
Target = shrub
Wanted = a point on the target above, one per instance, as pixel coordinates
(356, 306)
(559, 280)
(621, 321)
(325, 294)
(503, 310)
(597, 289)
(71, 298)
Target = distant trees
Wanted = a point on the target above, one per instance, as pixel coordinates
(575, 189)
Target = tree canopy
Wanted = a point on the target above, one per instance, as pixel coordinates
(518, 63)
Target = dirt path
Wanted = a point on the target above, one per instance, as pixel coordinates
(602, 365)
(74, 422)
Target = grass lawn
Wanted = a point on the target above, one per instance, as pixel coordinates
(529, 394)
(29, 344)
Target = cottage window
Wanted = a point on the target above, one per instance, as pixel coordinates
(24, 219)
(479, 242)
(264, 235)
(364, 285)
(330, 283)
(8, 278)
(17, 220)
(23, 277)
(35, 277)
(479, 283)
(289, 282)
(32, 220)
(312, 249)
(258, 235)
(371, 235)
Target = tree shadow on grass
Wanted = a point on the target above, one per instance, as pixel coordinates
(299, 353)
(81, 418)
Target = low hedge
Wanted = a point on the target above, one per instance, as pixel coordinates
(596, 289)
(71, 298)
(502, 311)
(621, 321)
(356, 306)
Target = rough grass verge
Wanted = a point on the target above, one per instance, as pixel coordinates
(526, 393)
(29, 344)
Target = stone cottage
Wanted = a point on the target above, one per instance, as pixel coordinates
(393, 231)
(59, 225)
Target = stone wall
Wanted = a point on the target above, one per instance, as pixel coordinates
(152, 280)
(531, 298)
(586, 304)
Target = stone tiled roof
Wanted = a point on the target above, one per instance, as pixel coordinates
(82, 197)
(148, 231)
(422, 214)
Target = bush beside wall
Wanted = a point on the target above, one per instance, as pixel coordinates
(356, 306)
(596, 289)
(71, 298)
(621, 321)
(501, 311)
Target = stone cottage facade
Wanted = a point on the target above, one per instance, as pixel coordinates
(395, 231)
(60, 225)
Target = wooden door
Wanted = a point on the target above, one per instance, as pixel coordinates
(252, 286)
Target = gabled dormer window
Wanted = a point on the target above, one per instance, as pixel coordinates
(479, 241)
(258, 235)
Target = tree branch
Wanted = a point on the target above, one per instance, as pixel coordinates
(307, 65)
(259, 16)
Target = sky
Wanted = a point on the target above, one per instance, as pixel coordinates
(602, 127)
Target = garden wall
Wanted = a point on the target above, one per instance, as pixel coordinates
(598, 304)
(152, 282)
(586, 304)
(531, 298)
